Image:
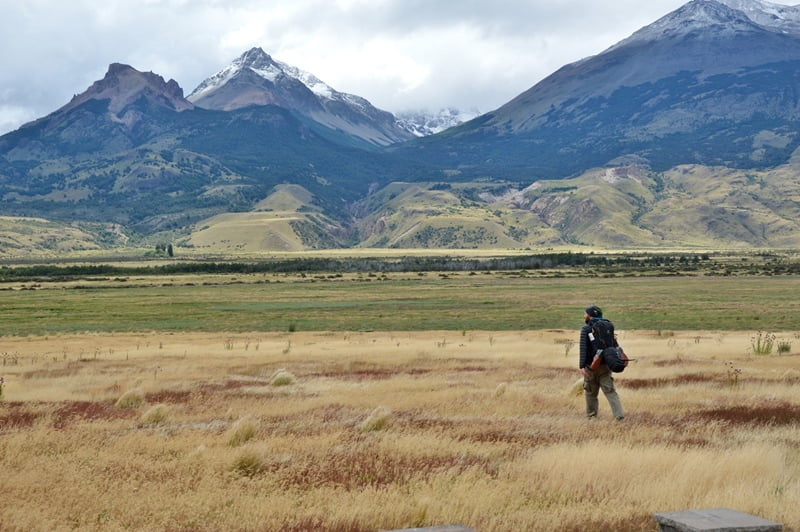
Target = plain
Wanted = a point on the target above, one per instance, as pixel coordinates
(270, 425)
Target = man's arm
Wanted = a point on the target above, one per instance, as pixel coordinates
(584, 359)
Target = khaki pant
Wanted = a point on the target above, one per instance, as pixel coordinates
(592, 384)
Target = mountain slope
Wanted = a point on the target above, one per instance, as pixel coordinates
(685, 134)
(701, 85)
(255, 78)
(623, 207)
(20, 237)
(131, 150)
(118, 112)
(287, 220)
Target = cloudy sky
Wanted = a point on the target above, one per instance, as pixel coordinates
(399, 54)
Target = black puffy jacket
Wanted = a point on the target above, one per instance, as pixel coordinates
(588, 349)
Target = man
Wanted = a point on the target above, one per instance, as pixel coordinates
(599, 378)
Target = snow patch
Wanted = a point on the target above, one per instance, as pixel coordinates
(422, 123)
(727, 16)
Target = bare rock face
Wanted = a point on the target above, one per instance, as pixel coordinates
(123, 85)
(255, 78)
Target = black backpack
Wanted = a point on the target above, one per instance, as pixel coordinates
(615, 358)
(604, 340)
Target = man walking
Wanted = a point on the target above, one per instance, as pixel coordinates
(596, 376)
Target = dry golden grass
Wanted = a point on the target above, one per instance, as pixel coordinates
(389, 430)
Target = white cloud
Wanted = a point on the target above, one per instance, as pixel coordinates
(13, 116)
(399, 54)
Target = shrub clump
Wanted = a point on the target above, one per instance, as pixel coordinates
(378, 420)
(242, 431)
(762, 343)
(248, 463)
(157, 415)
(282, 378)
(130, 399)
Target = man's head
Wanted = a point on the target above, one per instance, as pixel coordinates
(593, 312)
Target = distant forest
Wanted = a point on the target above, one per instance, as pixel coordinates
(587, 263)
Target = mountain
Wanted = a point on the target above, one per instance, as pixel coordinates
(714, 82)
(255, 78)
(684, 134)
(124, 85)
(425, 123)
(131, 150)
(114, 113)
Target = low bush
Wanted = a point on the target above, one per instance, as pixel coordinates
(248, 463)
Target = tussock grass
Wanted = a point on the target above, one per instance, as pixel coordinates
(156, 415)
(130, 399)
(378, 419)
(242, 431)
(474, 428)
(249, 462)
(282, 378)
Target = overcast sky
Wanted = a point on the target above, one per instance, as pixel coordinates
(399, 54)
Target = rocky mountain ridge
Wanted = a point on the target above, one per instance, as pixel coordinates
(255, 78)
(684, 134)
(701, 85)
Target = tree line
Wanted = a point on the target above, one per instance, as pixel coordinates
(594, 264)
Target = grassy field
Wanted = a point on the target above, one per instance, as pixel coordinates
(367, 402)
(385, 430)
(395, 302)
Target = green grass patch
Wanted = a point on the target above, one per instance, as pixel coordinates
(485, 302)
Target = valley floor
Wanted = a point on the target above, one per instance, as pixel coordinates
(351, 431)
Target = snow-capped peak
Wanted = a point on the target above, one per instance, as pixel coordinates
(696, 15)
(255, 78)
(729, 16)
(424, 123)
(268, 68)
(777, 16)
(315, 85)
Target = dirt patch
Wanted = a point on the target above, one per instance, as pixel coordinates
(71, 412)
(677, 362)
(171, 396)
(18, 415)
(689, 378)
(771, 413)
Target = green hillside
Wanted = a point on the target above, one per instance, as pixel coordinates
(20, 237)
(287, 220)
(625, 207)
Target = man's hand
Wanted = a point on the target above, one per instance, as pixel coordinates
(585, 373)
